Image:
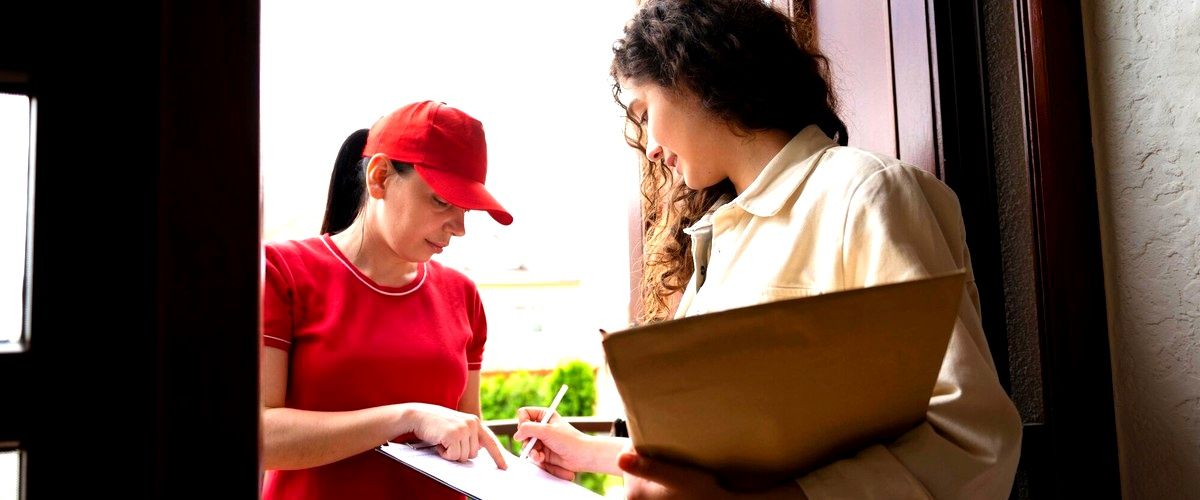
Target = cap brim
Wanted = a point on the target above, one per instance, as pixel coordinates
(463, 193)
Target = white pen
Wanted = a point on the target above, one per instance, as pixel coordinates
(545, 418)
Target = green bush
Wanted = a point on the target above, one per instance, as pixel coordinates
(580, 399)
(501, 396)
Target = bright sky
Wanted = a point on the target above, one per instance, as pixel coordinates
(14, 179)
(533, 71)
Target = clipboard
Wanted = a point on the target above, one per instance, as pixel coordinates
(762, 394)
(479, 479)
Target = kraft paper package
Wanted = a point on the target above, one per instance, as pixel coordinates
(766, 392)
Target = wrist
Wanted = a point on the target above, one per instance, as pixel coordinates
(402, 416)
(603, 452)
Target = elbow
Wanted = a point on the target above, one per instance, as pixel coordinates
(1010, 451)
(1002, 456)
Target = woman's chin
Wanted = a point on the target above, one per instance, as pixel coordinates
(696, 185)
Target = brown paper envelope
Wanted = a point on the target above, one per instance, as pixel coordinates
(769, 391)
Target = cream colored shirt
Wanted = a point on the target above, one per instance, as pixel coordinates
(821, 218)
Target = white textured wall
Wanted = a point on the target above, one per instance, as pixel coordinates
(1144, 80)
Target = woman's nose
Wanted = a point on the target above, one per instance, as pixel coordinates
(457, 225)
(653, 151)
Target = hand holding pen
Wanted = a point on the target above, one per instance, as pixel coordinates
(562, 450)
(545, 419)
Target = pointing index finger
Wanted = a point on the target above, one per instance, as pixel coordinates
(489, 441)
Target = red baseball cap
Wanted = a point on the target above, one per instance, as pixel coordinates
(445, 146)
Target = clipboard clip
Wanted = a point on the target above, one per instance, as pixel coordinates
(419, 445)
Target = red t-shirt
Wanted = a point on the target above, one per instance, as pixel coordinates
(355, 344)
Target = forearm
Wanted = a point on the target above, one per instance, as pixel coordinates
(299, 439)
(604, 453)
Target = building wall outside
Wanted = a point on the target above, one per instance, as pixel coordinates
(1143, 60)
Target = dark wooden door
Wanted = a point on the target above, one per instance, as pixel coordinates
(137, 373)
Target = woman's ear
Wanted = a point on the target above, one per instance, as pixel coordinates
(378, 168)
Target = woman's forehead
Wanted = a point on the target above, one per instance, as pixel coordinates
(633, 92)
(642, 93)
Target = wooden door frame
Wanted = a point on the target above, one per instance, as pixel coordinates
(1073, 451)
(1079, 454)
(139, 372)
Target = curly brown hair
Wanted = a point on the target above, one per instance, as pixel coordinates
(751, 66)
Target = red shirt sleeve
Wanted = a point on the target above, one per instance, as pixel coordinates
(479, 332)
(278, 295)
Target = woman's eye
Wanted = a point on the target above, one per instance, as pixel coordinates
(440, 202)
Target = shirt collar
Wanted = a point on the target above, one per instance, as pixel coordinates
(704, 224)
(784, 174)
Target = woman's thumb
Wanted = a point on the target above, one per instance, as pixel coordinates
(527, 430)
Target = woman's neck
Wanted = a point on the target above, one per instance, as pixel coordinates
(361, 244)
(751, 155)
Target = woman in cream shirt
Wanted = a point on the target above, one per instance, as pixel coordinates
(730, 98)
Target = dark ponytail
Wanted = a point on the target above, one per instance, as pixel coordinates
(346, 184)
